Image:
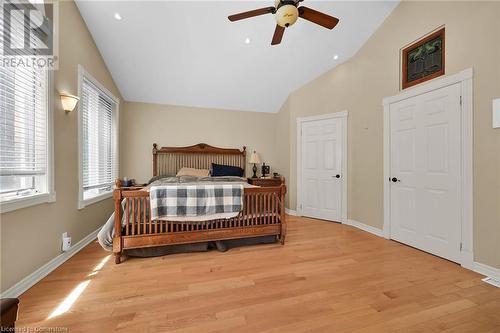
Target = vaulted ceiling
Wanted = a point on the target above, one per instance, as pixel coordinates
(188, 53)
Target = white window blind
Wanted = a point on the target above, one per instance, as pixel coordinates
(24, 128)
(99, 140)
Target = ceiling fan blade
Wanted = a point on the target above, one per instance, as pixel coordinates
(251, 13)
(320, 18)
(278, 35)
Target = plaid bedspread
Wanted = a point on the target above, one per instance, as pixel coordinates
(195, 200)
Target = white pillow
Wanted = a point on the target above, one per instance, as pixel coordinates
(193, 172)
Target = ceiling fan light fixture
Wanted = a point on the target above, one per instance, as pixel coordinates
(286, 15)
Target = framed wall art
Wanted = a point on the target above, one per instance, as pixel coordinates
(424, 60)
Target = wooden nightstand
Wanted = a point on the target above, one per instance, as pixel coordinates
(265, 182)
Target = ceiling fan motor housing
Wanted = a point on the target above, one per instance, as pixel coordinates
(286, 13)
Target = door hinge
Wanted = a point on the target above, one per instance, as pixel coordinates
(460, 246)
(460, 100)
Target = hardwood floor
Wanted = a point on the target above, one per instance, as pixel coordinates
(327, 278)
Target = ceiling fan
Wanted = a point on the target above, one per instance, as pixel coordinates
(287, 12)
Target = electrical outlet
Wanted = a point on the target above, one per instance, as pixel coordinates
(66, 242)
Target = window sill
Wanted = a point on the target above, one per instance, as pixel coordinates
(32, 200)
(84, 203)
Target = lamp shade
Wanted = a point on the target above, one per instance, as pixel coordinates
(255, 158)
(68, 102)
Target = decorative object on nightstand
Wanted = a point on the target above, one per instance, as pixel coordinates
(127, 182)
(265, 170)
(255, 159)
(267, 182)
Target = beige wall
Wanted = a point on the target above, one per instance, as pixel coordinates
(283, 145)
(31, 237)
(360, 84)
(144, 124)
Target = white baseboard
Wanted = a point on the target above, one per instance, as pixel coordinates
(43, 271)
(487, 270)
(291, 212)
(467, 259)
(365, 227)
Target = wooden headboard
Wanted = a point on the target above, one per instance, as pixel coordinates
(168, 160)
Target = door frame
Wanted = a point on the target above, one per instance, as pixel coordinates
(465, 189)
(343, 115)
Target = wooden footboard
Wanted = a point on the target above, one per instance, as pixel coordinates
(263, 214)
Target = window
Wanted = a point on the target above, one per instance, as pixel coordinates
(98, 140)
(25, 135)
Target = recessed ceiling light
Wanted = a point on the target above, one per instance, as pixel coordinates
(247, 40)
(118, 16)
(335, 57)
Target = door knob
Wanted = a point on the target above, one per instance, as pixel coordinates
(337, 176)
(394, 179)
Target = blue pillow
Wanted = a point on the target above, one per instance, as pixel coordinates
(220, 170)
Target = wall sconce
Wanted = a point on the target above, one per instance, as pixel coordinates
(68, 102)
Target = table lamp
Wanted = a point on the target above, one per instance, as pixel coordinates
(255, 159)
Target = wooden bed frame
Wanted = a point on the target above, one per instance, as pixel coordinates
(263, 207)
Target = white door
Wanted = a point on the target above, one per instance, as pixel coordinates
(322, 175)
(425, 169)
